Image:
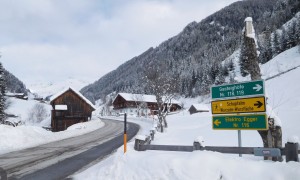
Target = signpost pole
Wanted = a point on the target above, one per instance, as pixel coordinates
(240, 140)
(125, 133)
(233, 99)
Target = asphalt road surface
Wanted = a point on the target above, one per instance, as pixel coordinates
(60, 159)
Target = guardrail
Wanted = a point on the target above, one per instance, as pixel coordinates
(291, 150)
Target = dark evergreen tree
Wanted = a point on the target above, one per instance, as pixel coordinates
(265, 47)
(248, 57)
(2, 93)
(292, 34)
(244, 59)
(283, 41)
(206, 81)
(276, 46)
(297, 33)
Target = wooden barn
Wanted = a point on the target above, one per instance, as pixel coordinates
(69, 107)
(197, 108)
(139, 104)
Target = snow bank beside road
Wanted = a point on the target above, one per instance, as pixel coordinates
(283, 96)
(21, 137)
(197, 165)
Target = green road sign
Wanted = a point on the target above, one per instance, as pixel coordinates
(240, 122)
(238, 90)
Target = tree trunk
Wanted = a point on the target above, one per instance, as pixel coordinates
(161, 128)
(160, 121)
(267, 142)
(165, 122)
(277, 141)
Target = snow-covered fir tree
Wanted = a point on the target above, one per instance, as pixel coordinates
(248, 57)
(2, 93)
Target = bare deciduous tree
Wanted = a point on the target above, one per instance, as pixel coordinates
(37, 113)
(164, 88)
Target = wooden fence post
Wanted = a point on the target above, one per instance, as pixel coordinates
(139, 140)
(196, 146)
(291, 151)
(152, 134)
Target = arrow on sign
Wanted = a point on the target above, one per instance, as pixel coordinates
(257, 87)
(217, 122)
(258, 104)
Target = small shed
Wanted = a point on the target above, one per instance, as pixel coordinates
(69, 107)
(197, 108)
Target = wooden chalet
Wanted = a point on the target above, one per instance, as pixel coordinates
(69, 107)
(198, 108)
(128, 103)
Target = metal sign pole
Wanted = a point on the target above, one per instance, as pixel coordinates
(125, 133)
(240, 140)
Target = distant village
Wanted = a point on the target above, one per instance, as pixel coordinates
(70, 107)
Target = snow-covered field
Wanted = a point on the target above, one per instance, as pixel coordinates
(283, 93)
(283, 96)
(21, 108)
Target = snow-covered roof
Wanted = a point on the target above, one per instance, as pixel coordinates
(142, 98)
(61, 107)
(248, 19)
(14, 94)
(76, 92)
(200, 107)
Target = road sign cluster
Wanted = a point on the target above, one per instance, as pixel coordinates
(230, 101)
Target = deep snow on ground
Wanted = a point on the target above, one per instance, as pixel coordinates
(283, 96)
(21, 108)
(21, 137)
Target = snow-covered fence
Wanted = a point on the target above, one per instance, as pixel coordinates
(141, 140)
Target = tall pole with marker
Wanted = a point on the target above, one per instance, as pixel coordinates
(125, 133)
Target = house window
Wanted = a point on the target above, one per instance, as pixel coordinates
(58, 113)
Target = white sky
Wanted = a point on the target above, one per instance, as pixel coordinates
(52, 40)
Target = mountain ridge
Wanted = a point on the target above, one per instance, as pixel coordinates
(196, 51)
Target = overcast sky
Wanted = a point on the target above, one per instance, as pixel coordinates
(52, 40)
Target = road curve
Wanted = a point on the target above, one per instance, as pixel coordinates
(58, 160)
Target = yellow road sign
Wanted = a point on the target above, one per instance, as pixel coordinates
(234, 106)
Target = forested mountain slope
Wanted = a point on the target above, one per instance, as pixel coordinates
(13, 84)
(194, 56)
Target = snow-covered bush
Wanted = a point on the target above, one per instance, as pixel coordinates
(37, 113)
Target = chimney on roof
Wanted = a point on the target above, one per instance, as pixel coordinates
(249, 26)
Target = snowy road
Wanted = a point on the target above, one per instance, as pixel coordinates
(60, 159)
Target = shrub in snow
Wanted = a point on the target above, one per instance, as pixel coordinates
(37, 113)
